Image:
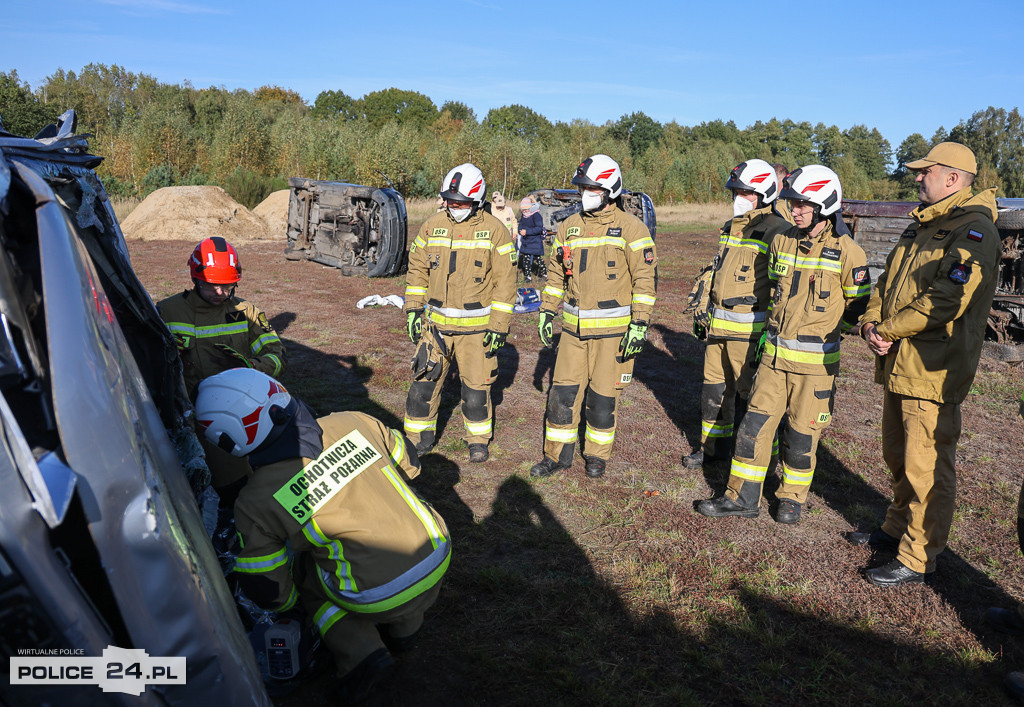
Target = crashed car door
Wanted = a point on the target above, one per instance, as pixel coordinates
(151, 543)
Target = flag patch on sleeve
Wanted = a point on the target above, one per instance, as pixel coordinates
(975, 235)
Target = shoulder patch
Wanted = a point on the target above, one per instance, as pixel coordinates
(861, 275)
(960, 273)
(975, 235)
(649, 256)
(481, 235)
(831, 253)
(780, 268)
(262, 321)
(572, 231)
(439, 232)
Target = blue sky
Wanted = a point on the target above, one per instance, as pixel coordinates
(902, 66)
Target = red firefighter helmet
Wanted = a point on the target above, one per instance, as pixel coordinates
(215, 261)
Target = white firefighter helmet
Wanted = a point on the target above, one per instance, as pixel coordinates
(464, 183)
(817, 184)
(757, 176)
(235, 409)
(600, 171)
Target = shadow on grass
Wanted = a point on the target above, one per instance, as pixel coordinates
(963, 587)
(328, 382)
(524, 619)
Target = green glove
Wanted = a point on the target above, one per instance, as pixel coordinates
(545, 329)
(414, 324)
(760, 346)
(236, 357)
(701, 323)
(493, 341)
(633, 340)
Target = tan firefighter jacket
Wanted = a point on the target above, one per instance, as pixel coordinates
(199, 326)
(464, 273)
(822, 285)
(741, 286)
(375, 543)
(604, 265)
(933, 299)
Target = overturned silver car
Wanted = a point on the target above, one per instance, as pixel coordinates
(101, 540)
(358, 229)
(556, 205)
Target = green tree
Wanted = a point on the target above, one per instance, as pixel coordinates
(459, 111)
(20, 110)
(997, 138)
(397, 106)
(333, 104)
(638, 131)
(518, 120)
(869, 150)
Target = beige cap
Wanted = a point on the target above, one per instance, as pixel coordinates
(948, 154)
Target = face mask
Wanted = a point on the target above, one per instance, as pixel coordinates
(592, 200)
(741, 206)
(459, 215)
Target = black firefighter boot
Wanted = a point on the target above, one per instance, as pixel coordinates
(746, 504)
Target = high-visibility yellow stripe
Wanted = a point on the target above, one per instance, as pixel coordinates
(857, 291)
(604, 323)
(558, 434)
(715, 429)
(501, 306)
(262, 563)
(641, 243)
(643, 299)
(478, 429)
(748, 471)
(459, 321)
(553, 291)
(771, 350)
(796, 478)
(326, 616)
(410, 290)
(595, 242)
(600, 436)
(419, 425)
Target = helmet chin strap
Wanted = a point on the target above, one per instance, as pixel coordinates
(816, 218)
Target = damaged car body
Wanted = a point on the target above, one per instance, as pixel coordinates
(877, 226)
(556, 205)
(358, 229)
(101, 539)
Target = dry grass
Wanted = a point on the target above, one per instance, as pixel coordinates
(419, 210)
(692, 217)
(123, 207)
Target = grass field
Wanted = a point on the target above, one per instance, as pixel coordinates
(573, 591)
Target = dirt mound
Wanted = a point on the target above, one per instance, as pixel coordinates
(192, 214)
(274, 212)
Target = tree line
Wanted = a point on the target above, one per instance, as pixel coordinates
(155, 134)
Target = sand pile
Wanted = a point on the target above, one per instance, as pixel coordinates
(274, 212)
(192, 214)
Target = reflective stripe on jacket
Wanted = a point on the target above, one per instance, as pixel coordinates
(613, 264)
(199, 326)
(463, 273)
(375, 543)
(821, 287)
(741, 288)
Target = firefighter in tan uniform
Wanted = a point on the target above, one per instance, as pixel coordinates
(822, 285)
(216, 331)
(604, 266)
(328, 521)
(926, 322)
(738, 303)
(459, 295)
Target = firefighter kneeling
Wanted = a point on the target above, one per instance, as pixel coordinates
(366, 554)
